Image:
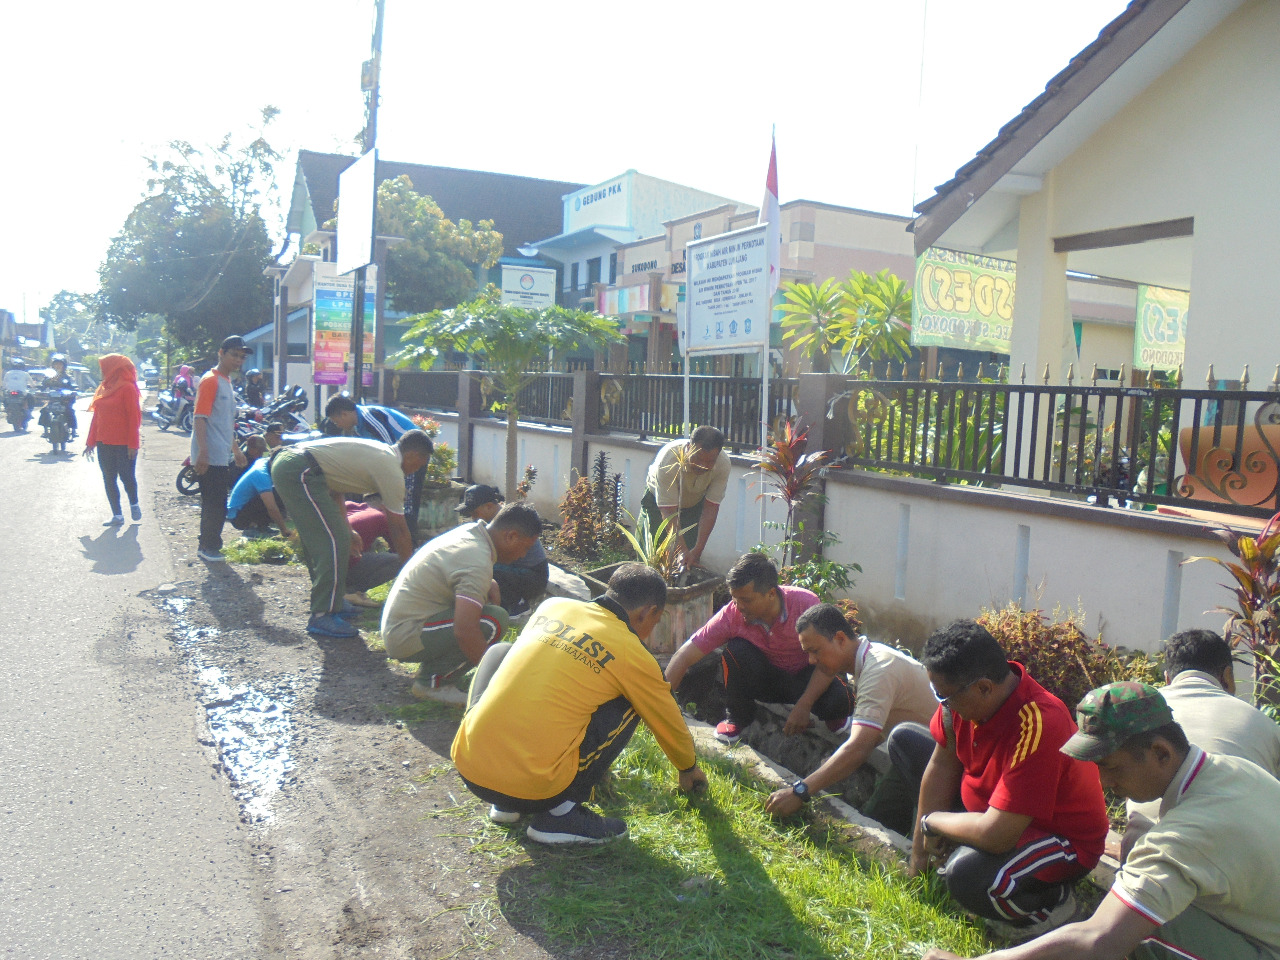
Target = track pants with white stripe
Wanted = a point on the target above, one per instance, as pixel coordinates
(321, 523)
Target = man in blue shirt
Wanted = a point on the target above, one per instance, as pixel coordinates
(345, 417)
(253, 503)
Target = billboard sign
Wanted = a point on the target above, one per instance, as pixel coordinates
(1160, 330)
(332, 299)
(727, 295)
(357, 195)
(532, 288)
(962, 300)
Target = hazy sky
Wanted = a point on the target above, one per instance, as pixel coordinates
(875, 103)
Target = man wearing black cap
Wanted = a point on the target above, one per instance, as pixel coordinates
(1201, 883)
(213, 444)
(522, 581)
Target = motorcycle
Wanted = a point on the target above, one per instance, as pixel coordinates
(59, 408)
(171, 409)
(286, 408)
(17, 407)
(188, 481)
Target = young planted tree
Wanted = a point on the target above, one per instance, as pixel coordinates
(506, 340)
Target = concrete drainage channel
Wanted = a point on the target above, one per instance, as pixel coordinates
(251, 725)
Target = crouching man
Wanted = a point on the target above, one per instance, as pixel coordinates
(548, 714)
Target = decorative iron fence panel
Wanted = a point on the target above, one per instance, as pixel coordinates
(548, 399)
(652, 405)
(428, 388)
(1206, 449)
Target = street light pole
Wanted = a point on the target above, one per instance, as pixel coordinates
(369, 82)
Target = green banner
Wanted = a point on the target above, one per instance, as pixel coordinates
(1160, 330)
(962, 300)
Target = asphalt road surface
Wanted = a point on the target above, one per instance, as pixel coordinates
(121, 840)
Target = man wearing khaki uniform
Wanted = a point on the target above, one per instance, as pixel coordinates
(688, 479)
(443, 610)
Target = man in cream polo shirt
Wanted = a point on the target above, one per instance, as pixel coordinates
(688, 479)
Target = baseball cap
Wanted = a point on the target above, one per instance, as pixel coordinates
(1110, 715)
(234, 343)
(477, 495)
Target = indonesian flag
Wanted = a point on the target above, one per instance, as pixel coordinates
(770, 214)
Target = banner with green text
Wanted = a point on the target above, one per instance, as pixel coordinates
(962, 300)
(1160, 333)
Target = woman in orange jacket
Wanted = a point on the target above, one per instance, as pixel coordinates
(116, 431)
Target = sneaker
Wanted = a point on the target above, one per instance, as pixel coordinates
(115, 520)
(446, 694)
(498, 815)
(579, 825)
(840, 726)
(135, 512)
(728, 732)
(328, 625)
(208, 556)
(1064, 913)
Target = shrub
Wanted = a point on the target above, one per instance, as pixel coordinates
(592, 511)
(1059, 655)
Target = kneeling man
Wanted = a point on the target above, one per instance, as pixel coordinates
(548, 714)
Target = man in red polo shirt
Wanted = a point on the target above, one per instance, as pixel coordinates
(1016, 821)
(763, 659)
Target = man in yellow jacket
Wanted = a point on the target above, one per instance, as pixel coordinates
(548, 714)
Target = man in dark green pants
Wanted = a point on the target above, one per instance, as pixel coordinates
(313, 479)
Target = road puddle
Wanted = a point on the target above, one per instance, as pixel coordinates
(251, 723)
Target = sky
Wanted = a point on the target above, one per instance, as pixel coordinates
(874, 103)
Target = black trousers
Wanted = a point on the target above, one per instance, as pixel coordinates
(215, 483)
(608, 732)
(116, 464)
(997, 886)
(749, 676)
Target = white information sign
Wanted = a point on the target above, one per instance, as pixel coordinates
(357, 198)
(727, 295)
(532, 288)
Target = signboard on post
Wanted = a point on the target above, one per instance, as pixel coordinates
(532, 288)
(1160, 331)
(357, 193)
(962, 300)
(726, 291)
(333, 298)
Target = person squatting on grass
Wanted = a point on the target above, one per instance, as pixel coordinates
(763, 659)
(115, 431)
(888, 688)
(1201, 882)
(548, 714)
(1015, 820)
(443, 611)
(520, 582)
(312, 480)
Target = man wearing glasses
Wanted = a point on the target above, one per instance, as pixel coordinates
(1010, 821)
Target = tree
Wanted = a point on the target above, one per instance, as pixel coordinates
(434, 268)
(864, 318)
(194, 249)
(510, 338)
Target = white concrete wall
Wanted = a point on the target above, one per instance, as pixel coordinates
(548, 449)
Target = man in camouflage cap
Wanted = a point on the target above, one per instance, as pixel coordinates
(1201, 883)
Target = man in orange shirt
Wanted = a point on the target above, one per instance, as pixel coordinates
(213, 445)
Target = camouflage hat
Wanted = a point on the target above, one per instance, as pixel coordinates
(1110, 715)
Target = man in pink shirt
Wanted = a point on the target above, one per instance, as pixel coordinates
(763, 659)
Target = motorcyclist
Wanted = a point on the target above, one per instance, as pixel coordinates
(253, 388)
(184, 383)
(59, 379)
(17, 380)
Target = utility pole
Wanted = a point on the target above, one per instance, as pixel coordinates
(369, 83)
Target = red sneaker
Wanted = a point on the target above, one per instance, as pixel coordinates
(728, 732)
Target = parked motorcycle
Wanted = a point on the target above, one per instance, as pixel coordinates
(287, 409)
(17, 408)
(59, 409)
(171, 409)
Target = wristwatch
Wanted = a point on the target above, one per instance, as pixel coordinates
(924, 826)
(801, 790)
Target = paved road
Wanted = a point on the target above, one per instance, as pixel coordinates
(120, 840)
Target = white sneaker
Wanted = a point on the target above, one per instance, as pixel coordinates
(445, 694)
(503, 816)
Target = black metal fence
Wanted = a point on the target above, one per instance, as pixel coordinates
(652, 405)
(548, 399)
(437, 389)
(1208, 449)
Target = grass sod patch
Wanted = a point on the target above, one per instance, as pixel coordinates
(715, 876)
(264, 550)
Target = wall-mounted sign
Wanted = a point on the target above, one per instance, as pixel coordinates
(726, 291)
(532, 288)
(1160, 330)
(644, 266)
(606, 204)
(616, 301)
(333, 297)
(962, 300)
